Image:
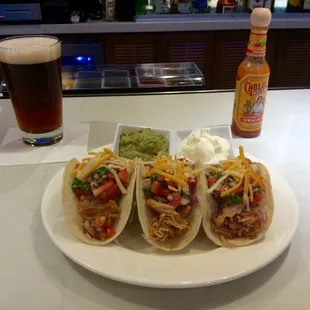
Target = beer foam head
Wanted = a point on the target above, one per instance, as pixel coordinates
(29, 50)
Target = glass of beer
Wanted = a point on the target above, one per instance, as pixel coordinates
(32, 72)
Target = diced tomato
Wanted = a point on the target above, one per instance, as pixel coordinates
(97, 223)
(176, 199)
(254, 203)
(155, 187)
(170, 183)
(110, 176)
(106, 225)
(258, 196)
(238, 190)
(123, 176)
(181, 159)
(185, 211)
(158, 190)
(110, 232)
(111, 193)
(212, 180)
(106, 185)
(79, 193)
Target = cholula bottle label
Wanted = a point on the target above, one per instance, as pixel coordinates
(257, 45)
(249, 102)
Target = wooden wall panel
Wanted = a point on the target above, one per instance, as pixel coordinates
(229, 51)
(130, 48)
(190, 47)
(293, 64)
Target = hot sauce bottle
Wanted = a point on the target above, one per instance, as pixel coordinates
(252, 79)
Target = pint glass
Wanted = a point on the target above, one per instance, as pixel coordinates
(32, 72)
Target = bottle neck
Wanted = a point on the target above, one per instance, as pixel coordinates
(257, 42)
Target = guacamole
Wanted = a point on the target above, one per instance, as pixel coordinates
(143, 143)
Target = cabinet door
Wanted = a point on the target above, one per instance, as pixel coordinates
(229, 51)
(190, 47)
(294, 59)
(130, 48)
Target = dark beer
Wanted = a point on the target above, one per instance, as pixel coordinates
(32, 71)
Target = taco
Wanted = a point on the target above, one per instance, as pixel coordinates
(170, 202)
(239, 202)
(97, 196)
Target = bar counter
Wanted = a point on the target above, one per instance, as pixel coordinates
(36, 275)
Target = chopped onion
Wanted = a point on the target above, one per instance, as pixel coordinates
(93, 184)
(207, 172)
(254, 184)
(146, 183)
(247, 202)
(232, 183)
(89, 229)
(189, 175)
(186, 190)
(217, 184)
(99, 229)
(170, 197)
(184, 201)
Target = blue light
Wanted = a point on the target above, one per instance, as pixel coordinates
(83, 60)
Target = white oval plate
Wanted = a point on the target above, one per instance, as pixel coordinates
(132, 260)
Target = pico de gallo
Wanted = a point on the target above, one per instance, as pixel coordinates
(99, 182)
(170, 191)
(238, 189)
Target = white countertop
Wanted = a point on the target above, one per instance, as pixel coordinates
(34, 273)
(171, 23)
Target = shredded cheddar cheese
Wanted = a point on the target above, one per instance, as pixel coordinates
(109, 152)
(197, 171)
(172, 169)
(232, 189)
(79, 167)
(170, 176)
(246, 182)
(242, 172)
(74, 173)
(255, 176)
(251, 192)
(86, 158)
(89, 165)
(212, 168)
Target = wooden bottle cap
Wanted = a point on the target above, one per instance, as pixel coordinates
(261, 17)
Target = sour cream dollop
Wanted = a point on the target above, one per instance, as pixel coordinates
(203, 146)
